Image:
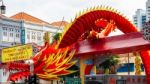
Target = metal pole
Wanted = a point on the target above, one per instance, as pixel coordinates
(32, 76)
(128, 64)
(2, 2)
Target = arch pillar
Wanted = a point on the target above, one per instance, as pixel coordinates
(145, 56)
(87, 67)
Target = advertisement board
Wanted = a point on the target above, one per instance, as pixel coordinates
(16, 53)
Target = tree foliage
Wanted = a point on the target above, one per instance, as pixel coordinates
(74, 68)
(56, 37)
(110, 62)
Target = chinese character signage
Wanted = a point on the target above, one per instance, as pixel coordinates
(16, 53)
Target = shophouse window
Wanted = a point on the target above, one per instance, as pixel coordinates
(4, 28)
(11, 29)
(33, 35)
(39, 37)
(4, 33)
(17, 35)
(11, 34)
(17, 30)
(28, 34)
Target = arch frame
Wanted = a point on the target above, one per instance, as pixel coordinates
(85, 22)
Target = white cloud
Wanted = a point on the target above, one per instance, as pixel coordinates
(53, 10)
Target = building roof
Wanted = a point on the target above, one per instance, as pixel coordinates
(29, 18)
(2, 16)
(59, 23)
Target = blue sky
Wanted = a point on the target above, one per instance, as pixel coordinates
(55, 10)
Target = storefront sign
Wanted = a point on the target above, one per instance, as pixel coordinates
(16, 53)
(23, 36)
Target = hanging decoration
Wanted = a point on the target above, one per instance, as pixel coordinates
(137, 65)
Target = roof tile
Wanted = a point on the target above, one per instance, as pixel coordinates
(27, 17)
(59, 23)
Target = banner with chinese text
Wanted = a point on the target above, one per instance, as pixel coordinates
(16, 53)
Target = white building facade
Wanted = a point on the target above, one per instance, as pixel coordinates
(21, 32)
(10, 32)
(139, 18)
(13, 32)
(148, 10)
(34, 33)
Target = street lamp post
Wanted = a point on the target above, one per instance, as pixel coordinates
(2, 8)
(128, 64)
(32, 77)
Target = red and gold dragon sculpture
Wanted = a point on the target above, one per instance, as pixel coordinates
(51, 62)
(54, 60)
(48, 63)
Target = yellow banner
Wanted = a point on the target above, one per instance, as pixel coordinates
(16, 53)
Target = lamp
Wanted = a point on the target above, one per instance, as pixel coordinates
(2, 8)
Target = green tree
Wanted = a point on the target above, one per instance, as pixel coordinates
(56, 37)
(109, 65)
(74, 68)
